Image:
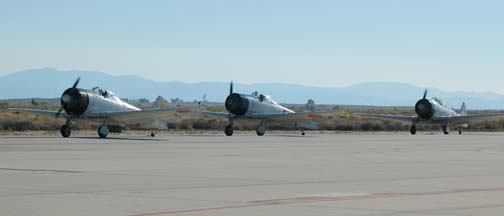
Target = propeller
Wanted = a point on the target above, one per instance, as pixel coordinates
(231, 88)
(76, 82)
(67, 98)
(425, 94)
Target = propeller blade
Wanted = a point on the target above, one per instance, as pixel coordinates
(231, 88)
(76, 82)
(425, 94)
(59, 112)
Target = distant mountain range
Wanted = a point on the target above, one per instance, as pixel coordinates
(49, 82)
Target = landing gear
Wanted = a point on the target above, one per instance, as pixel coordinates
(446, 129)
(303, 133)
(413, 129)
(261, 130)
(460, 131)
(229, 130)
(103, 131)
(152, 134)
(65, 130)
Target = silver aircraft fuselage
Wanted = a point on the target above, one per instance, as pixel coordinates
(106, 102)
(79, 102)
(244, 104)
(433, 110)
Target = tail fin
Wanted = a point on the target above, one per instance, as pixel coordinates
(463, 109)
(310, 106)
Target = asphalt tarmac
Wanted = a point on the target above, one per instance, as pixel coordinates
(319, 174)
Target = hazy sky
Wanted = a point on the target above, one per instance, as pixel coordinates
(452, 45)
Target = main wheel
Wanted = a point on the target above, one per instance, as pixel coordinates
(261, 131)
(303, 133)
(460, 131)
(152, 134)
(413, 130)
(65, 131)
(446, 129)
(103, 131)
(228, 130)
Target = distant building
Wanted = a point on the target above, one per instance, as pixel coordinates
(204, 102)
(177, 101)
(143, 101)
(160, 102)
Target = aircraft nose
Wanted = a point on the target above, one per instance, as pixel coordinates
(424, 109)
(66, 98)
(236, 104)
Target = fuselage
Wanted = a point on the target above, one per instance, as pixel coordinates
(79, 102)
(427, 109)
(441, 110)
(243, 104)
(111, 103)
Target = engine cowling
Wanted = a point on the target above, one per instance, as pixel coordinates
(237, 104)
(424, 109)
(75, 101)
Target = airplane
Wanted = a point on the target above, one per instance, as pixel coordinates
(97, 104)
(434, 111)
(263, 108)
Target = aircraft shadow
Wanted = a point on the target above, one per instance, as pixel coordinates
(288, 135)
(93, 138)
(123, 138)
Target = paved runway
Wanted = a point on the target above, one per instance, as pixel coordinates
(322, 174)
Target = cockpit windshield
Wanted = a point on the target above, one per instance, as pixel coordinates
(438, 100)
(263, 98)
(266, 98)
(103, 92)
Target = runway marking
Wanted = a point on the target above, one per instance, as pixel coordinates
(302, 200)
(333, 195)
(41, 170)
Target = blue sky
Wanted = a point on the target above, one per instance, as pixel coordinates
(451, 45)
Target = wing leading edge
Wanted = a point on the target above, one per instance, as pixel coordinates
(217, 114)
(392, 117)
(275, 116)
(47, 113)
(460, 118)
(149, 115)
(127, 117)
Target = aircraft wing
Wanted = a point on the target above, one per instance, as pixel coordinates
(275, 116)
(216, 114)
(289, 116)
(466, 117)
(48, 113)
(149, 115)
(391, 117)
